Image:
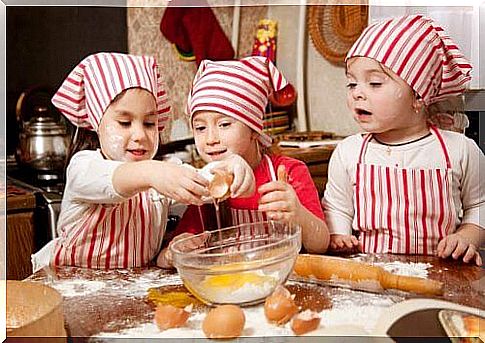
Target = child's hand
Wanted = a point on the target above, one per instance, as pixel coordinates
(455, 245)
(244, 182)
(181, 183)
(344, 243)
(279, 201)
(165, 259)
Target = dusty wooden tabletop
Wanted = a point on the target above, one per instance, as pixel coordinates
(98, 303)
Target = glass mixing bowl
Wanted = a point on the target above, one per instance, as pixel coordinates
(241, 264)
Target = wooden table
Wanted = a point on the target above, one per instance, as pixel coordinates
(109, 301)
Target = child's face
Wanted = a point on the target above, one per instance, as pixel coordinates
(218, 136)
(128, 130)
(379, 100)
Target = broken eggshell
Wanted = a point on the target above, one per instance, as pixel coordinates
(305, 321)
(168, 316)
(219, 182)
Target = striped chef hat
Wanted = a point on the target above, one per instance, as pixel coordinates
(420, 52)
(238, 88)
(93, 84)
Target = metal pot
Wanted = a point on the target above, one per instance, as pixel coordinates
(43, 143)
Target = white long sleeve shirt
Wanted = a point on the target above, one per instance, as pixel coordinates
(467, 160)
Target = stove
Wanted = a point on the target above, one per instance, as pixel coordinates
(48, 189)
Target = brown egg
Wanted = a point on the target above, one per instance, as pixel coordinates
(220, 186)
(305, 321)
(224, 321)
(280, 306)
(168, 316)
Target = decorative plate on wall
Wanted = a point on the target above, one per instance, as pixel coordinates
(334, 28)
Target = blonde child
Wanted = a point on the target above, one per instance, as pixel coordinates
(226, 107)
(405, 186)
(116, 200)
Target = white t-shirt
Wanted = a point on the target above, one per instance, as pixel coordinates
(466, 158)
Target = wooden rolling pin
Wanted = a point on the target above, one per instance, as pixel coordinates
(340, 269)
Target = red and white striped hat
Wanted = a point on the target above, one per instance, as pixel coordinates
(92, 85)
(238, 88)
(420, 52)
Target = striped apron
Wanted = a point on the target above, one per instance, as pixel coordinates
(123, 235)
(242, 216)
(403, 210)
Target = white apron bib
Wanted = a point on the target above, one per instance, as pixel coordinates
(403, 210)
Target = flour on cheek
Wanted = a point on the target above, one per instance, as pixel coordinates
(113, 146)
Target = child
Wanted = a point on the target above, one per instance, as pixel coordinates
(115, 204)
(226, 107)
(405, 185)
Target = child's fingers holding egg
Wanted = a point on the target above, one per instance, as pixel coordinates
(243, 183)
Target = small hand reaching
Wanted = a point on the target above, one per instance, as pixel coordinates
(344, 243)
(181, 183)
(456, 246)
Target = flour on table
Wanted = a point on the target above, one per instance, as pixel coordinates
(77, 287)
(355, 307)
(134, 286)
(406, 268)
(349, 308)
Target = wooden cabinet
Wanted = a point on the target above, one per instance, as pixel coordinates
(316, 159)
(20, 231)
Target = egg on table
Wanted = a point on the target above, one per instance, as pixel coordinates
(225, 321)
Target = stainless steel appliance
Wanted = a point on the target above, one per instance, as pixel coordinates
(48, 194)
(43, 140)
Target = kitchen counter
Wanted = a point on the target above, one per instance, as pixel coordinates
(20, 229)
(114, 303)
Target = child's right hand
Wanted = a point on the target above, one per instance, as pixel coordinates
(244, 183)
(181, 183)
(344, 243)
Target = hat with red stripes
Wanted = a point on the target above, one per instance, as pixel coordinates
(92, 85)
(420, 52)
(238, 88)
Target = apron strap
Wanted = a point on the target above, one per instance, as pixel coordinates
(442, 143)
(367, 138)
(271, 168)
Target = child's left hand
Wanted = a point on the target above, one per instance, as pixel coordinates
(244, 182)
(455, 245)
(279, 201)
(165, 259)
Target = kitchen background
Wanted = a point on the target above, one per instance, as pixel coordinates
(45, 43)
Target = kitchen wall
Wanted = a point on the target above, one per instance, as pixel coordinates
(325, 83)
(144, 37)
(44, 43)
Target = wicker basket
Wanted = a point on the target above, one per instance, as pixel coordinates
(334, 28)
